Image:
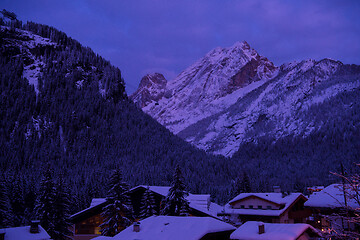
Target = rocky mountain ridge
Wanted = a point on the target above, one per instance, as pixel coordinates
(234, 95)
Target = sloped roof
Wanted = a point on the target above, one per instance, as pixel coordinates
(97, 201)
(278, 231)
(24, 233)
(332, 197)
(276, 198)
(162, 190)
(174, 228)
(272, 197)
(199, 202)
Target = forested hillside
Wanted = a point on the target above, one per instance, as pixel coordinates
(63, 104)
(80, 120)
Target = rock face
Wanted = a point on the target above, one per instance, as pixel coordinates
(151, 88)
(234, 95)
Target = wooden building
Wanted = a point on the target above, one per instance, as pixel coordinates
(274, 207)
(86, 222)
(333, 209)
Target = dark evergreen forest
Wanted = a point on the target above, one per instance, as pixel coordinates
(84, 125)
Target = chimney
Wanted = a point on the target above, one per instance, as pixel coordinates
(277, 189)
(136, 227)
(261, 228)
(34, 227)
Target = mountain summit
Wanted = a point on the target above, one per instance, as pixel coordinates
(234, 95)
(199, 90)
(151, 88)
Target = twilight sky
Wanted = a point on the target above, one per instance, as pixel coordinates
(143, 36)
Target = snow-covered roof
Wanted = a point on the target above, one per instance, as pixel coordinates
(162, 190)
(272, 197)
(97, 201)
(24, 233)
(332, 197)
(212, 210)
(199, 202)
(278, 231)
(174, 228)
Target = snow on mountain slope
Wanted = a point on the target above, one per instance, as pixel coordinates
(208, 86)
(233, 95)
(278, 108)
(25, 43)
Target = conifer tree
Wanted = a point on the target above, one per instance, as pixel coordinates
(44, 207)
(175, 202)
(240, 185)
(17, 203)
(118, 212)
(4, 204)
(30, 200)
(61, 210)
(148, 207)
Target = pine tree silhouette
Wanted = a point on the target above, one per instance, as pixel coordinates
(118, 212)
(175, 202)
(45, 202)
(148, 207)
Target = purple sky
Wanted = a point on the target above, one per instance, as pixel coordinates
(141, 36)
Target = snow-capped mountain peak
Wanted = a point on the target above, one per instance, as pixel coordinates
(234, 95)
(202, 89)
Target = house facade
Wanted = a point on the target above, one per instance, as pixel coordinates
(266, 207)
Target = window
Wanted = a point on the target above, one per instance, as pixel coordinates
(242, 206)
(259, 207)
(268, 207)
(251, 206)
